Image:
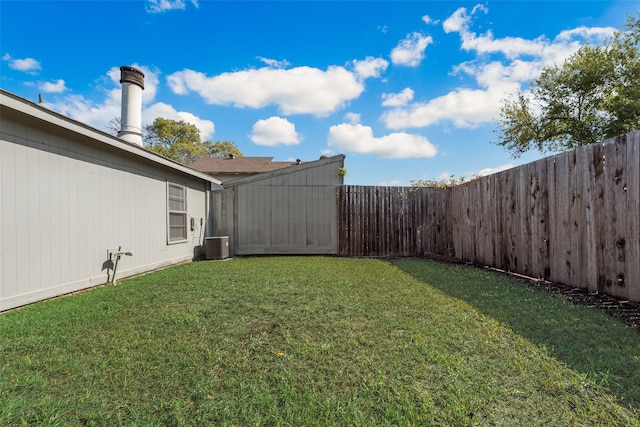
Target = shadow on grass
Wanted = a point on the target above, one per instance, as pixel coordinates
(587, 341)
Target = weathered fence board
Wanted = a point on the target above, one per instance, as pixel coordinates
(572, 218)
(633, 217)
(586, 166)
(616, 232)
(392, 221)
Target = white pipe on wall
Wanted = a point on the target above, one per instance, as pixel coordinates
(132, 81)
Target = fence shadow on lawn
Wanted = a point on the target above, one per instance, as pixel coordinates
(587, 341)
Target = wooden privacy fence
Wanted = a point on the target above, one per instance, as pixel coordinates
(393, 221)
(571, 218)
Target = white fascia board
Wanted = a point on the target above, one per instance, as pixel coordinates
(42, 113)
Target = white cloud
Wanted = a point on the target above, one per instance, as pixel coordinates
(568, 42)
(99, 113)
(352, 118)
(445, 176)
(397, 99)
(274, 131)
(96, 114)
(53, 87)
(464, 108)
(159, 6)
(429, 20)
(489, 74)
(459, 20)
(502, 66)
(489, 171)
(550, 52)
(410, 51)
(274, 63)
(391, 183)
(27, 65)
(512, 47)
(370, 67)
(594, 34)
(359, 139)
(160, 109)
(300, 90)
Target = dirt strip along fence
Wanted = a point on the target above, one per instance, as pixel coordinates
(571, 218)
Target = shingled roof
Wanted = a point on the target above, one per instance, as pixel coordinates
(237, 165)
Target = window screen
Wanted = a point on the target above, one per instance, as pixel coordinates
(177, 213)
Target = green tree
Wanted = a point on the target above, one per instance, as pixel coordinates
(452, 181)
(223, 149)
(593, 96)
(180, 141)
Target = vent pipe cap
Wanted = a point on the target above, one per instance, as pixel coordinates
(131, 75)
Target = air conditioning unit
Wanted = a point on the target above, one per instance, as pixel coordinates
(216, 247)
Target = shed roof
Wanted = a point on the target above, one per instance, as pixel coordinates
(213, 165)
(323, 161)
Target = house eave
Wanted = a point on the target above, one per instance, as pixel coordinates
(26, 107)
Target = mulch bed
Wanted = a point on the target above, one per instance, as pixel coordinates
(624, 311)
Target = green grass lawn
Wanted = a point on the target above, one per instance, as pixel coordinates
(306, 341)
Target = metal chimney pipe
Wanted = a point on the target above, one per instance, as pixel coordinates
(132, 81)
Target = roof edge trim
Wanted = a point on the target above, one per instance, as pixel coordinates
(24, 106)
(285, 171)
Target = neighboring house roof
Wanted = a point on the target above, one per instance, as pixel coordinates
(295, 167)
(14, 102)
(237, 165)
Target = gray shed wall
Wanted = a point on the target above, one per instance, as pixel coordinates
(289, 211)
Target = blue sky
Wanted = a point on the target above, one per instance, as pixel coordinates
(405, 89)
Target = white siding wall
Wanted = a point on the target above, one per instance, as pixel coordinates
(65, 200)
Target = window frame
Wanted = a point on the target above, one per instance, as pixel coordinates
(177, 208)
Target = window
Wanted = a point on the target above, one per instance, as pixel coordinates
(176, 213)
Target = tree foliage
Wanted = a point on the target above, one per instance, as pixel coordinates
(114, 126)
(180, 141)
(223, 149)
(452, 181)
(176, 140)
(593, 96)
